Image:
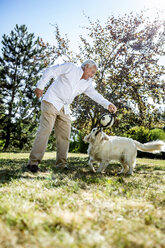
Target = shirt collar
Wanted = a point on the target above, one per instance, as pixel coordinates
(81, 73)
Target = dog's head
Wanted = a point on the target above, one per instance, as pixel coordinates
(96, 134)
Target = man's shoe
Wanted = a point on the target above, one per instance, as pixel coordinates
(62, 166)
(66, 167)
(33, 168)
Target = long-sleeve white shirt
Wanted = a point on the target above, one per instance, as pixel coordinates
(67, 85)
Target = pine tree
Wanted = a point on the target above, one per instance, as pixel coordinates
(23, 58)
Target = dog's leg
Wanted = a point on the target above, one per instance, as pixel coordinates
(90, 163)
(126, 168)
(122, 170)
(132, 165)
(105, 166)
(130, 171)
(101, 168)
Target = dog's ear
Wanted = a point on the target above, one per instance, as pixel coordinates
(104, 136)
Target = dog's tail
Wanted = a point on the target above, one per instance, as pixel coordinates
(153, 146)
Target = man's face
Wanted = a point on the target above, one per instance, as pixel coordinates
(89, 72)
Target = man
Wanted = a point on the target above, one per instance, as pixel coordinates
(70, 81)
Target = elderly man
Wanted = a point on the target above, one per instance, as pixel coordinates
(70, 81)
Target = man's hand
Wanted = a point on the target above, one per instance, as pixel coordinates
(38, 92)
(112, 108)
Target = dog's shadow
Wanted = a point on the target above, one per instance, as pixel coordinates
(78, 169)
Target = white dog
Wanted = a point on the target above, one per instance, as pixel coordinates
(103, 148)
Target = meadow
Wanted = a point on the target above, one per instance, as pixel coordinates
(77, 208)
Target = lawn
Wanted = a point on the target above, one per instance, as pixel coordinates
(78, 208)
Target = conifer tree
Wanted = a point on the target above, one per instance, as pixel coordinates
(23, 58)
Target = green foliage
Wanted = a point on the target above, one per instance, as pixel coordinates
(51, 142)
(143, 134)
(125, 49)
(2, 143)
(77, 144)
(23, 58)
(157, 134)
(140, 134)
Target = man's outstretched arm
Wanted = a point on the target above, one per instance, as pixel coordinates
(97, 97)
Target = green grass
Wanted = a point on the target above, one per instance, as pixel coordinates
(78, 208)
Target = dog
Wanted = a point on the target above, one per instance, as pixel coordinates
(103, 148)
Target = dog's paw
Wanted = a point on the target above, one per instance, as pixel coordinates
(120, 173)
(100, 171)
(129, 173)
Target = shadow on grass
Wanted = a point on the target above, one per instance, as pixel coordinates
(143, 169)
(14, 169)
(146, 169)
(78, 169)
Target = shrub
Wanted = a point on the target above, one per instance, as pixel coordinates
(144, 135)
(157, 134)
(140, 134)
(78, 145)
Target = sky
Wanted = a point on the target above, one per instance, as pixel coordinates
(38, 15)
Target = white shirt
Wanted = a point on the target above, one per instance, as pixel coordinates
(67, 85)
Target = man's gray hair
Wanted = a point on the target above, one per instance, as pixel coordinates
(89, 62)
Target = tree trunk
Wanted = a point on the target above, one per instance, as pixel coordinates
(7, 138)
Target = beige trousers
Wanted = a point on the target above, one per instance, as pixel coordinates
(51, 117)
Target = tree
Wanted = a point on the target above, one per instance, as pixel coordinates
(23, 58)
(127, 50)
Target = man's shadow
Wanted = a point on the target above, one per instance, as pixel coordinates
(78, 169)
(11, 169)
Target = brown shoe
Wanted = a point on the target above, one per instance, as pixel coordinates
(62, 166)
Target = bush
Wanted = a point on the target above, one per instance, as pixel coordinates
(157, 134)
(140, 134)
(2, 143)
(78, 145)
(144, 135)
